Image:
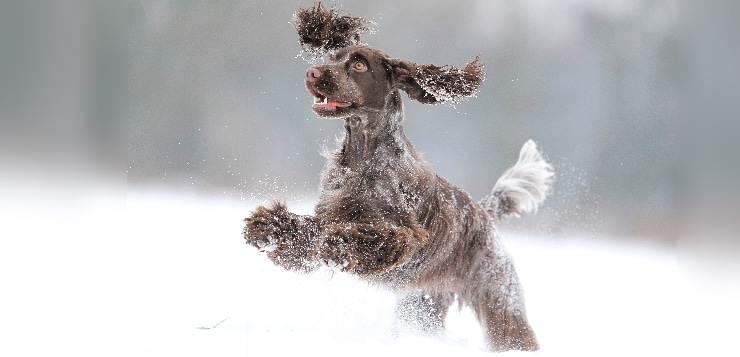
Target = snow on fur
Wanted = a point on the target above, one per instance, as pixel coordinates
(322, 30)
(449, 84)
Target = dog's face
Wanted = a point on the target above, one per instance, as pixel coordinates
(358, 79)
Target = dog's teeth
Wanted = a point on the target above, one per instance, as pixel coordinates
(326, 100)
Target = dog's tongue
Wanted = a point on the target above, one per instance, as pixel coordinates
(330, 104)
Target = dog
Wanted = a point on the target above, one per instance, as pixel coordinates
(383, 213)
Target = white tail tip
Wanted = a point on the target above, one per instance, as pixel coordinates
(523, 187)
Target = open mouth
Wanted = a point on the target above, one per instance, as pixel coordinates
(327, 104)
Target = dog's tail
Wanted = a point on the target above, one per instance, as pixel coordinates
(523, 187)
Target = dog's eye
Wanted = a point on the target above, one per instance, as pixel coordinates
(359, 66)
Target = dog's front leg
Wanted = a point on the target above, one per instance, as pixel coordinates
(290, 240)
(369, 248)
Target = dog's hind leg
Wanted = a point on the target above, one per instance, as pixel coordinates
(498, 302)
(424, 313)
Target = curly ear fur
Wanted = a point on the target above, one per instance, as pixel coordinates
(322, 31)
(432, 84)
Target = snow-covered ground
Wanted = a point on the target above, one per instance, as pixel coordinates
(147, 273)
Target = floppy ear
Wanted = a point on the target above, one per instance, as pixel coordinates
(322, 30)
(432, 84)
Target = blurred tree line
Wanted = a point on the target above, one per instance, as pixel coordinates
(217, 101)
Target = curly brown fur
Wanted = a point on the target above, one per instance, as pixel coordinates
(431, 84)
(290, 240)
(386, 216)
(451, 85)
(369, 249)
(322, 30)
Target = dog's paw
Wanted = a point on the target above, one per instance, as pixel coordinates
(335, 253)
(260, 236)
(263, 228)
(289, 240)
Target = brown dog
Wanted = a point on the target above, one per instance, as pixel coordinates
(385, 215)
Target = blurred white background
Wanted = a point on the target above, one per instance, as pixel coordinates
(201, 104)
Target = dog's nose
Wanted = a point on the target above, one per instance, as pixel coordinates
(313, 74)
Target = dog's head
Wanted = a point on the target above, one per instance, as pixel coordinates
(360, 78)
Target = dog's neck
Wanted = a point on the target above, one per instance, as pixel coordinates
(376, 135)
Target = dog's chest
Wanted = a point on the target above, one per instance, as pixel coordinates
(383, 183)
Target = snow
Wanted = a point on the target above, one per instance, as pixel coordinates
(152, 273)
